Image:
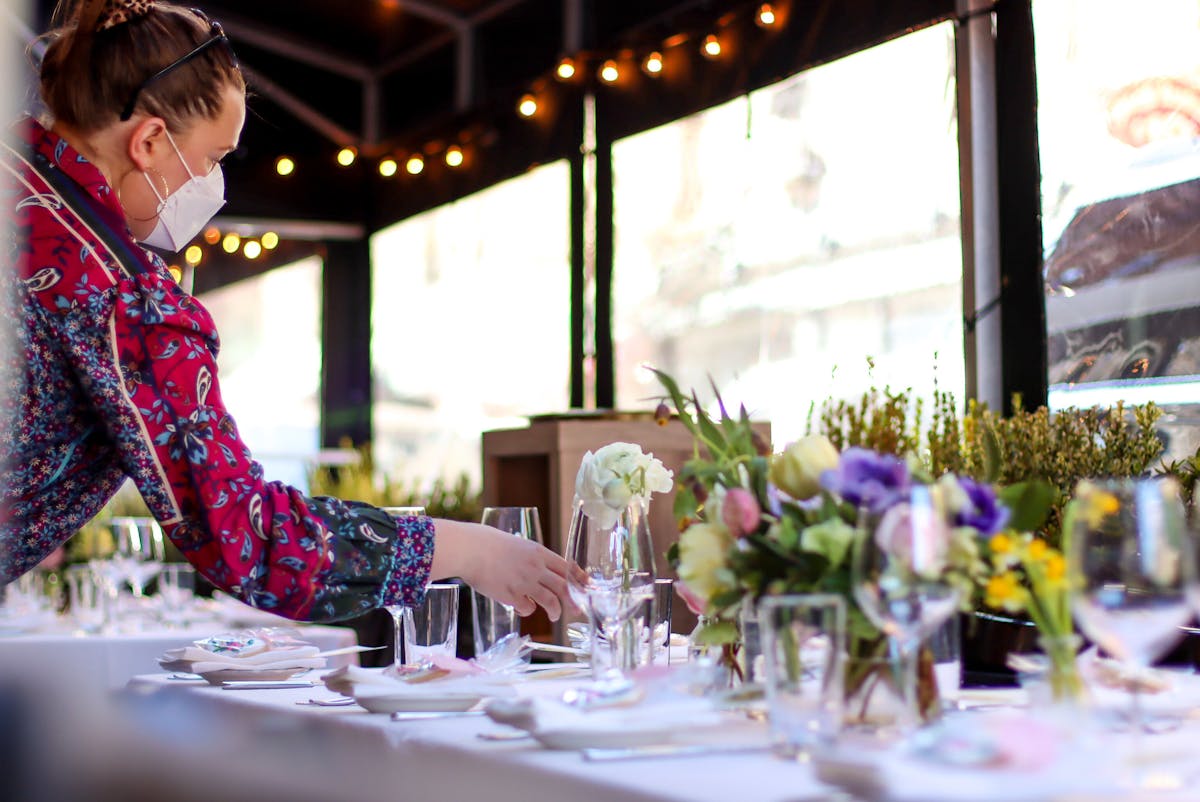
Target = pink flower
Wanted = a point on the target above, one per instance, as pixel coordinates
(915, 538)
(740, 512)
(693, 601)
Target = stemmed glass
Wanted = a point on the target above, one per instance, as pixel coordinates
(495, 621)
(139, 551)
(616, 558)
(397, 610)
(1130, 559)
(898, 577)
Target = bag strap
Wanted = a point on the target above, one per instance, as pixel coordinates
(89, 210)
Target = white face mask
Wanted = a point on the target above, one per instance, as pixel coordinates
(182, 215)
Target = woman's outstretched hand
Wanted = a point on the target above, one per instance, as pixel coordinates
(511, 570)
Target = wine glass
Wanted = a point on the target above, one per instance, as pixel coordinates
(397, 610)
(139, 551)
(1130, 562)
(494, 621)
(615, 555)
(898, 577)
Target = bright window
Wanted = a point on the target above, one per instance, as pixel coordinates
(470, 325)
(779, 241)
(1119, 130)
(270, 364)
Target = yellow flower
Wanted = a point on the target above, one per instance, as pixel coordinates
(1037, 549)
(1000, 544)
(1004, 591)
(1056, 567)
(1096, 504)
(797, 471)
(703, 553)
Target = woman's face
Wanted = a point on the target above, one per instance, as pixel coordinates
(202, 145)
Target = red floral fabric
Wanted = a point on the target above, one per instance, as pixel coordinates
(109, 371)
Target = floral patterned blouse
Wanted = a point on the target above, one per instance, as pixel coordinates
(109, 370)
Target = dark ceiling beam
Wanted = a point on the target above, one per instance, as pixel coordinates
(436, 13)
(294, 48)
(300, 109)
(436, 43)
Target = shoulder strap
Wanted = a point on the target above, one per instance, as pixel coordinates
(91, 213)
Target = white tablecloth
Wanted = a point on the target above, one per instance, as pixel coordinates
(108, 662)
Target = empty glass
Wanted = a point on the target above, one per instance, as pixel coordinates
(945, 646)
(494, 620)
(86, 597)
(431, 629)
(397, 610)
(139, 551)
(519, 521)
(803, 640)
(658, 622)
(176, 591)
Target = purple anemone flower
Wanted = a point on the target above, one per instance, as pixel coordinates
(867, 479)
(983, 510)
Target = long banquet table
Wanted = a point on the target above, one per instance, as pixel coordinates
(197, 742)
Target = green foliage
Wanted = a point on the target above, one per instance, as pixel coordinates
(360, 481)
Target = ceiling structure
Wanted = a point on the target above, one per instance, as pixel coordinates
(394, 78)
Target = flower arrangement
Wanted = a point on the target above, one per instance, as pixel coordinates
(756, 523)
(615, 475)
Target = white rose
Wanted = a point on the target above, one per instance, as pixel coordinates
(703, 551)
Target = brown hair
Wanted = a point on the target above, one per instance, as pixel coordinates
(88, 75)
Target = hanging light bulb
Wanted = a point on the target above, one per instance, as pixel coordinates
(252, 249)
(565, 69)
(653, 64)
(609, 72)
(270, 240)
(193, 255)
(285, 166)
(528, 106)
(415, 164)
(454, 156)
(711, 47)
(176, 273)
(231, 242)
(212, 235)
(766, 16)
(388, 167)
(346, 156)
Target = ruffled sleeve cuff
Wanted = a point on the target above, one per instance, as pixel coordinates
(412, 561)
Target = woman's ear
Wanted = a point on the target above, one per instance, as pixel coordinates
(147, 142)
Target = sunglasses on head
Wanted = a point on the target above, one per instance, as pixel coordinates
(216, 37)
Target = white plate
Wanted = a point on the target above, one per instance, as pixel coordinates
(604, 738)
(418, 702)
(246, 675)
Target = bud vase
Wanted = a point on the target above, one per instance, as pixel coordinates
(874, 688)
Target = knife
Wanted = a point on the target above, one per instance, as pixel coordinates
(669, 750)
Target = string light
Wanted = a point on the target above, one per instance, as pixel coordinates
(212, 235)
(346, 156)
(653, 64)
(609, 72)
(565, 69)
(252, 249)
(176, 273)
(454, 156)
(711, 47)
(231, 242)
(193, 255)
(414, 165)
(270, 240)
(528, 106)
(388, 167)
(285, 166)
(766, 16)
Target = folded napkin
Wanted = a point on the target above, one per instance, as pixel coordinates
(373, 682)
(622, 716)
(250, 650)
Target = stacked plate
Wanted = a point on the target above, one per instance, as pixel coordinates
(427, 690)
(256, 655)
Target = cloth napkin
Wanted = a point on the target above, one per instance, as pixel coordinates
(361, 682)
(251, 650)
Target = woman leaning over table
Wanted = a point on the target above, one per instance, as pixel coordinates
(111, 368)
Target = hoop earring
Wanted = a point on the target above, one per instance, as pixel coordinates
(161, 203)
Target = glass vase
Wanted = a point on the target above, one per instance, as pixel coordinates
(875, 689)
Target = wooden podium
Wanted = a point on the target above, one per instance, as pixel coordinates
(536, 467)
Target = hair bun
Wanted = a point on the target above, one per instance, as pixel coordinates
(118, 12)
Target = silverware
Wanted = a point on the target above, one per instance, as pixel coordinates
(343, 701)
(246, 685)
(507, 735)
(420, 715)
(669, 750)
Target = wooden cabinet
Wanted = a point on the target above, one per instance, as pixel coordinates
(536, 466)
